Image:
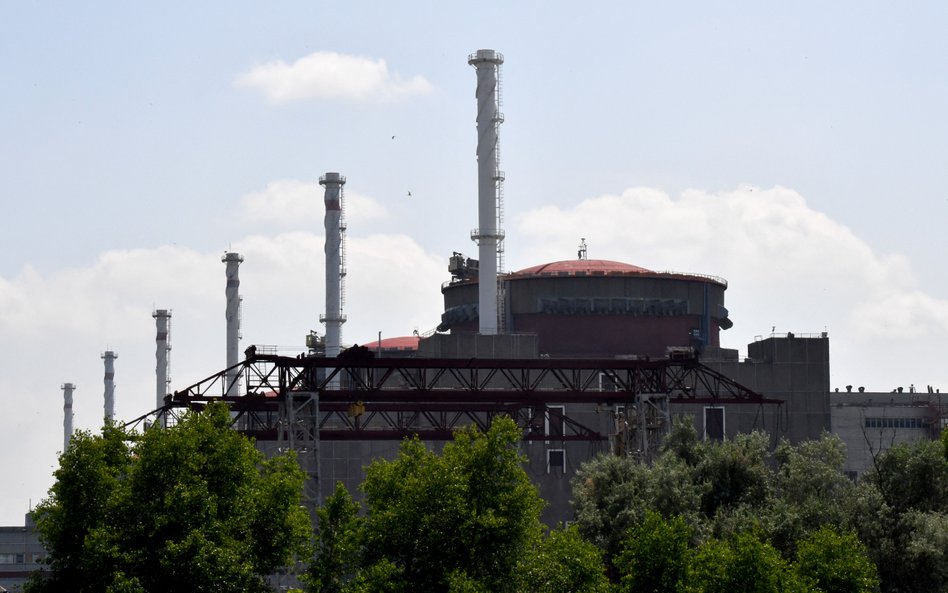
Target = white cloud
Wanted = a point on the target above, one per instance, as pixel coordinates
(789, 266)
(330, 75)
(56, 324)
(291, 203)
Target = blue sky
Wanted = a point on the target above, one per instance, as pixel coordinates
(797, 149)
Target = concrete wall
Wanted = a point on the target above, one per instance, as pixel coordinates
(871, 423)
(794, 369)
(20, 554)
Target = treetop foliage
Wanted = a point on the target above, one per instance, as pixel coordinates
(194, 507)
(197, 508)
(466, 519)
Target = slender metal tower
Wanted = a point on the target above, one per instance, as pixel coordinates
(109, 357)
(335, 261)
(67, 388)
(489, 235)
(162, 357)
(233, 261)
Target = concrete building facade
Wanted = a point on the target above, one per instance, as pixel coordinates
(20, 554)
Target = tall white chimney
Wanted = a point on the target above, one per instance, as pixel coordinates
(109, 357)
(162, 352)
(335, 265)
(233, 261)
(67, 388)
(489, 236)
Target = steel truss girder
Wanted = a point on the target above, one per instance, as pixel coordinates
(432, 397)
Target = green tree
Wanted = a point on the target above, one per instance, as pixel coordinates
(190, 508)
(836, 563)
(656, 556)
(563, 562)
(742, 564)
(682, 441)
(944, 441)
(811, 490)
(338, 554)
(74, 522)
(465, 517)
(913, 476)
(736, 473)
(899, 512)
(611, 495)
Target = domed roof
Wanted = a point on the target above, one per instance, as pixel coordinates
(399, 343)
(583, 267)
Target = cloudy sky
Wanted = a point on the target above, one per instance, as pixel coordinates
(796, 149)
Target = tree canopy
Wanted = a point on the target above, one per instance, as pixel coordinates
(712, 496)
(197, 508)
(194, 507)
(465, 519)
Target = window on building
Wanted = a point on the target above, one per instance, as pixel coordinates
(554, 421)
(714, 424)
(555, 461)
(881, 422)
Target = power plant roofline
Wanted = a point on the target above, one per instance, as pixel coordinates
(109, 404)
(489, 235)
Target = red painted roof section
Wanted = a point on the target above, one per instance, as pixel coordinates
(582, 267)
(399, 343)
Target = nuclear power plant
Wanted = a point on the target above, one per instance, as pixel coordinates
(588, 356)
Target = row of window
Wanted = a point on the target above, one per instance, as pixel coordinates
(15, 558)
(894, 423)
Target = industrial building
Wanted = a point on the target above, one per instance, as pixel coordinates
(596, 308)
(588, 356)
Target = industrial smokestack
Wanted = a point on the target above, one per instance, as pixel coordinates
(162, 355)
(335, 262)
(489, 236)
(109, 357)
(67, 413)
(233, 261)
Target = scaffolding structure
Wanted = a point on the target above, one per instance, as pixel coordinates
(298, 402)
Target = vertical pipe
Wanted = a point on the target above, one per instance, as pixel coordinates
(232, 315)
(162, 348)
(333, 318)
(487, 62)
(67, 413)
(109, 357)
